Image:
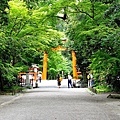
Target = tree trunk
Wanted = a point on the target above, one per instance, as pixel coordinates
(1, 82)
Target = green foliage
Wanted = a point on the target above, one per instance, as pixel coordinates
(58, 63)
(94, 35)
(92, 27)
(25, 38)
(3, 13)
(103, 89)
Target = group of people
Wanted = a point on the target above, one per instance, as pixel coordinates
(59, 79)
(69, 77)
(70, 84)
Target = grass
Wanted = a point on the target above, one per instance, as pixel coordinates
(12, 90)
(103, 88)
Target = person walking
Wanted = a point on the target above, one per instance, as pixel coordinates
(39, 77)
(58, 80)
(69, 81)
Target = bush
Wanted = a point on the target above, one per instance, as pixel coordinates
(13, 89)
(103, 88)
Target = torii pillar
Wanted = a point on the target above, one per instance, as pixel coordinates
(44, 73)
(75, 75)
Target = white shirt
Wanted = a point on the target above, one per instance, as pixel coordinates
(39, 75)
(69, 77)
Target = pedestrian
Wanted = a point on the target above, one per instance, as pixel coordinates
(39, 77)
(90, 80)
(69, 81)
(58, 80)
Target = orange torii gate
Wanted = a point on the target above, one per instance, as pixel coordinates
(44, 73)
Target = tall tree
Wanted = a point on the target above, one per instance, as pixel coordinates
(94, 31)
(26, 37)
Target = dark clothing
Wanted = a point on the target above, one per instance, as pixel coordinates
(69, 83)
(59, 83)
(40, 79)
(58, 80)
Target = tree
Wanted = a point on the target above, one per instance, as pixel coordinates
(57, 63)
(95, 36)
(24, 39)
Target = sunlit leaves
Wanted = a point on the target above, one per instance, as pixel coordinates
(19, 8)
(27, 33)
(58, 63)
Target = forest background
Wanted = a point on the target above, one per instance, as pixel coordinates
(28, 28)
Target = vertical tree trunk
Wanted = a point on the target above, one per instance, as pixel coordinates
(84, 76)
(1, 82)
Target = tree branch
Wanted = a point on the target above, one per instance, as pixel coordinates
(81, 11)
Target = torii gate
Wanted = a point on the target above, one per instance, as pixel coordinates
(44, 73)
